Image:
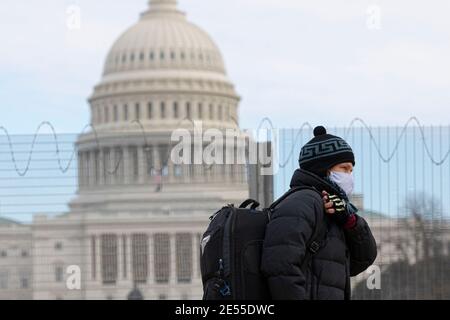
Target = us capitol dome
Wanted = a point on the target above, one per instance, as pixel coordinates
(161, 74)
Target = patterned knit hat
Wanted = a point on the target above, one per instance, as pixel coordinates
(323, 152)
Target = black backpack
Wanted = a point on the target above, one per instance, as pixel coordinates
(231, 250)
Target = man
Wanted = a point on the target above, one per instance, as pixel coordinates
(348, 246)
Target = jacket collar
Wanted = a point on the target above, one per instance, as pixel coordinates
(302, 178)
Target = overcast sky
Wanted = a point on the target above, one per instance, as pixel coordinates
(320, 61)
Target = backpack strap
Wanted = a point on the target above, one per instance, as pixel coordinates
(287, 194)
(316, 242)
(246, 203)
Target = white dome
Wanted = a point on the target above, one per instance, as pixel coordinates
(164, 39)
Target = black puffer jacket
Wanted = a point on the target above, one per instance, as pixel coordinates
(345, 253)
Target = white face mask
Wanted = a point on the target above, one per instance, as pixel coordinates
(343, 180)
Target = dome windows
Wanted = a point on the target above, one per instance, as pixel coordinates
(150, 111)
(176, 112)
(115, 114)
(163, 110)
(220, 112)
(198, 58)
(200, 111)
(211, 112)
(188, 111)
(106, 114)
(125, 112)
(137, 111)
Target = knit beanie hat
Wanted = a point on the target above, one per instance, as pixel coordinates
(323, 152)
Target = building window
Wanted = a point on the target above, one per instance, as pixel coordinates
(176, 112)
(161, 55)
(141, 56)
(107, 166)
(163, 110)
(124, 256)
(164, 153)
(96, 167)
(162, 257)
(184, 257)
(162, 297)
(211, 112)
(182, 55)
(3, 254)
(220, 112)
(118, 166)
(4, 278)
(115, 114)
(58, 245)
(172, 55)
(106, 114)
(134, 162)
(109, 258)
(188, 111)
(137, 111)
(200, 111)
(140, 257)
(125, 112)
(99, 114)
(24, 253)
(149, 161)
(150, 110)
(124, 58)
(132, 57)
(93, 258)
(152, 55)
(24, 284)
(87, 168)
(59, 273)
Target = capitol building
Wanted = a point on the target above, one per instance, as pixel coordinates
(134, 225)
(135, 222)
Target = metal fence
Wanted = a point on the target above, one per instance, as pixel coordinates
(402, 189)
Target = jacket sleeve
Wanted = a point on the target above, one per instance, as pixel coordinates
(362, 246)
(287, 233)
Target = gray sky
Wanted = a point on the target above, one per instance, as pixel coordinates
(320, 61)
